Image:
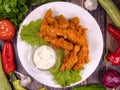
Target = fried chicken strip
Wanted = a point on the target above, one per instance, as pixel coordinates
(62, 22)
(59, 43)
(71, 59)
(74, 23)
(68, 34)
(83, 58)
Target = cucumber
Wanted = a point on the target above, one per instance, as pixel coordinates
(112, 10)
(4, 83)
(90, 87)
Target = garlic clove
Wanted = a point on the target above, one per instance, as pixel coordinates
(25, 80)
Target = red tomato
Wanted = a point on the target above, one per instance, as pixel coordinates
(7, 30)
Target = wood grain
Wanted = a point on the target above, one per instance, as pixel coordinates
(109, 42)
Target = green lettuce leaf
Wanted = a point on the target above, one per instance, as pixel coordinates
(64, 78)
(30, 33)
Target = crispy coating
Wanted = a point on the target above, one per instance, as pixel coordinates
(74, 23)
(83, 58)
(59, 43)
(72, 58)
(68, 35)
(62, 22)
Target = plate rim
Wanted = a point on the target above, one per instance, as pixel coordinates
(18, 36)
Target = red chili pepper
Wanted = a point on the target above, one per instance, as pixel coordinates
(114, 32)
(114, 58)
(8, 57)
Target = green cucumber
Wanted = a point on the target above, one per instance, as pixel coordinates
(4, 83)
(112, 10)
(90, 87)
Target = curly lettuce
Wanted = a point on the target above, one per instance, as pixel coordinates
(30, 33)
(14, 10)
(64, 78)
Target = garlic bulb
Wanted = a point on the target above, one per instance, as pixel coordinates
(91, 4)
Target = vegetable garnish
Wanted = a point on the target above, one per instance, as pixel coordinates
(64, 78)
(14, 10)
(90, 87)
(114, 32)
(30, 33)
(9, 64)
(25, 80)
(111, 79)
(15, 82)
(112, 10)
(114, 58)
(4, 83)
(91, 4)
(8, 57)
(7, 29)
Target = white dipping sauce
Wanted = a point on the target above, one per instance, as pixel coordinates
(44, 57)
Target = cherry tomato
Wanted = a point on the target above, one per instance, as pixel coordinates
(7, 30)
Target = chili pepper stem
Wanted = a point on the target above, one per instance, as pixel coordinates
(12, 76)
(106, 53)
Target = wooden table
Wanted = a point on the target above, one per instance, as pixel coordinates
(109, 42)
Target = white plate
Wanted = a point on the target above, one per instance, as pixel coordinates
(69, 10)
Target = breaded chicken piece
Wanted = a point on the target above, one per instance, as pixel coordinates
(74, 23)
(59, 43)
(62, 22)
(47, 15)
(48, 20)
(82, 58)
(78, 66)
(71, 59)
(68, 34)
(51, 28)
(79, 29)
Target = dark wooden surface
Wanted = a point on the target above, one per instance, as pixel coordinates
(109, 42)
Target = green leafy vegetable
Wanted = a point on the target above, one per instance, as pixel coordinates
(64, 78)
(30, 33)
(39, 2)
(90, 87)
(13, 10)
(112, 10)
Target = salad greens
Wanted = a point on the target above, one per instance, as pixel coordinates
(30, 34)
(64, 78)
(14, 10)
